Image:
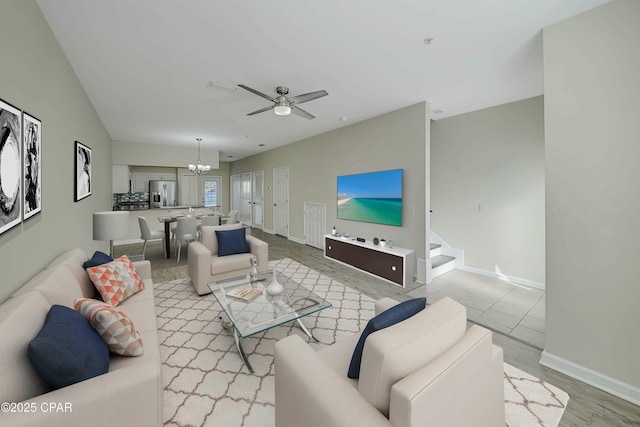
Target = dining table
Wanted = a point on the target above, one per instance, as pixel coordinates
(168, 219)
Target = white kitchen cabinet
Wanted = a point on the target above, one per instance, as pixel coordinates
(140, 181)
(120, 178)
(157, 176)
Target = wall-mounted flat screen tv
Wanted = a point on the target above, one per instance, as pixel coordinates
(371, 197)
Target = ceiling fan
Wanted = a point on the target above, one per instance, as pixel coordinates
(284, 105)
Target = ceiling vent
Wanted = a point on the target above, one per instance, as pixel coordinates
(214, 85)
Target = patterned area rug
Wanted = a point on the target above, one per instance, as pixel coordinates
(206, 383)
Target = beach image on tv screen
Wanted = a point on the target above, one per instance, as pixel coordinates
(371, 197)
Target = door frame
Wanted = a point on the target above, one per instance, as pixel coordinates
(275, 210)
(246, 221)
(235, 194)
(253, 199)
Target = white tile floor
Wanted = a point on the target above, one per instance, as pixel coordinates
(506, 307)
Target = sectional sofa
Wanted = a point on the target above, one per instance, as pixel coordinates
(129, 394)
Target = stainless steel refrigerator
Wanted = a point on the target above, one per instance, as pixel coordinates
(163, 193)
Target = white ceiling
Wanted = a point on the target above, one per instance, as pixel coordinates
(146, 64)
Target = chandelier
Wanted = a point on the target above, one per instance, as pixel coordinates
(199, 168)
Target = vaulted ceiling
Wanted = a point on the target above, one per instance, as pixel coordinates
(166, 71)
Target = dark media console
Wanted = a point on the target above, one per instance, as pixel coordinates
(392, 264)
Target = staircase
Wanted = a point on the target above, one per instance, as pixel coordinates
(440, 263)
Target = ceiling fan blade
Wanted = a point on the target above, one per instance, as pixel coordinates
(306, 97)
(265, 96)
(302, 113)
(262, 110)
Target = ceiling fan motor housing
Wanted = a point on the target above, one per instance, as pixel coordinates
(282, 90)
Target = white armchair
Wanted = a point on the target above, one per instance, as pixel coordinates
(428, 370)
(205, 266)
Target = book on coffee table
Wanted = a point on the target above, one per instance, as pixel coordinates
(244, 293)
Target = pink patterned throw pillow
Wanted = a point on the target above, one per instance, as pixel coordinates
(116, 281)
(115, 328)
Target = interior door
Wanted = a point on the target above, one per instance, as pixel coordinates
(236, 193)
(258, 199)
(189, 195)
(245, 213)
(314, 224)
(281, 201)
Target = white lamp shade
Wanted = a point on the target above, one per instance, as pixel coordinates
(110, 225)
(282, 110)
(199, 168)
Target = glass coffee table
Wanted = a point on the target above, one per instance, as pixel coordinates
(265, 311)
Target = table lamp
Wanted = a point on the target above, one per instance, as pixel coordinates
(110, 225)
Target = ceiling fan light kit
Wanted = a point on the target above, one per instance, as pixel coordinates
(284, 105)
(282, 109)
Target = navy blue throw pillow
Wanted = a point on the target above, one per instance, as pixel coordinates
(67, 349)
(231, 242)
(97, 259)
(389, 317)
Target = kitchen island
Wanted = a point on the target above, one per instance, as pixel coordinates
(152, 216)
(152, 219)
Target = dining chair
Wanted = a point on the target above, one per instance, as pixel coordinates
(208, 220)
(233, 217)
(186, 229)
(147, 234)
(177, 214)
(211, 220)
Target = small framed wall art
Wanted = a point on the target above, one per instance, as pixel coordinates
(84, 162)
(32, 165)
(10, 166)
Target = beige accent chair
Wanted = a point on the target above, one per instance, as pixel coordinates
(205, 266)
(429, 370)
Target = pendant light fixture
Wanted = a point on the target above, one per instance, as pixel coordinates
(199, 168)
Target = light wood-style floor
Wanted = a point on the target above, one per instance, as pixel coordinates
(588, 406)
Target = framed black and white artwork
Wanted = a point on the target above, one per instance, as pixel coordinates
(10, 166)
(84, 162)
(32, 165)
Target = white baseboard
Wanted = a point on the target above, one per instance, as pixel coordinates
(267, 230)
(512, 279)
(295, 239)
(603, 382)
(458, 254)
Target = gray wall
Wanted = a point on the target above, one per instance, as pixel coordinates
(493, 156)
(36, 77)
(391, 141)
(144, 154)
(592, 105)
